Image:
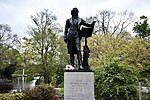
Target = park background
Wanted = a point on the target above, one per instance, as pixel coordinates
(31, 43)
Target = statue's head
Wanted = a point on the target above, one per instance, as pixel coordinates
(74, 12)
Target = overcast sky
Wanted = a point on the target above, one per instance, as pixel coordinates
(17, 13)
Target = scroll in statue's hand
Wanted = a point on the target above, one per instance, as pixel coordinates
(93, 23)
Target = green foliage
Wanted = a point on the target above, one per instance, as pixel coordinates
(16, 96)
(137, 50)
(27, 60)
(9, 71)
(40, 92)
(43, 43)
(59, 75)
(142, 27)
(39, 81)
(2, 71)
(8, 41)
(62, 60)
(115, 80)
(144, 75)
(60, 92)
(102, 46)
(8, 62)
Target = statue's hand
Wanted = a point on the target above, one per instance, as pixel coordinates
(66, 40)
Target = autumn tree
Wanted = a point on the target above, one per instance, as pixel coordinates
(102, 46)
(44, 41)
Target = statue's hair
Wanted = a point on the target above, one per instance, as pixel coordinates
(72, 11)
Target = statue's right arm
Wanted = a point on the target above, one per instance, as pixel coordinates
(66, 31)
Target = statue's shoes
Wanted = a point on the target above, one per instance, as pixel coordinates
(81, 68)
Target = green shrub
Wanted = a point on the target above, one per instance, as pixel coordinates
(60, 92)
(5, 87)
(16, 96)
(40, 92)
(39, 81)
(115, 80)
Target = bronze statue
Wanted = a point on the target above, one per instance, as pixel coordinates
(72, 36)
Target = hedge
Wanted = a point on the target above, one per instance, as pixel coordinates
(5, 87)
(8, 96)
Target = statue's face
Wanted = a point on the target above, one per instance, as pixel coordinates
(75, 12)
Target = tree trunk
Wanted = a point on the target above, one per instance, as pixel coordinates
(46, 73)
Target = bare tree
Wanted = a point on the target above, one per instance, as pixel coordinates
(110, 22)
(124, 21)
(7, 38)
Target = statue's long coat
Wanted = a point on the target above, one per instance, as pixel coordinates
(72, 30)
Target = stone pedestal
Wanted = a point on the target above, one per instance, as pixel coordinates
(78, 85)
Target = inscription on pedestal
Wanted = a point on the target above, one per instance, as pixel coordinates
(79, 86)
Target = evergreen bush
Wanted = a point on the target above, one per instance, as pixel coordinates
(115, 80)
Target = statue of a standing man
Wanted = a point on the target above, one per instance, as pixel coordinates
(72, 38)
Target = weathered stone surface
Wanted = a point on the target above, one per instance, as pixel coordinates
(78, 86)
